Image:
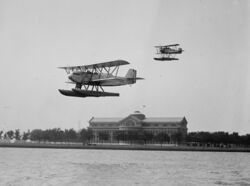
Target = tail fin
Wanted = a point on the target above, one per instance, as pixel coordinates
(131, 74)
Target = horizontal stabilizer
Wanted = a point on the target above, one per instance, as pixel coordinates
(70, 82)
(139, 78)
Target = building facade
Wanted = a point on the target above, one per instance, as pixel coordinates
(138, 122)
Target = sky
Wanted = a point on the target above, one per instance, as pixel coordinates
(209, 84)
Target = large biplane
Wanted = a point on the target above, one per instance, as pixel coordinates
(168, 52)
(93, 77)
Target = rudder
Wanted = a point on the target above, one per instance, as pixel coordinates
(131, 75)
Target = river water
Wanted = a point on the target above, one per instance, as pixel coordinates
(35, 167)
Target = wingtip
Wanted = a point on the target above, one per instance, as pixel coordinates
(125, 61)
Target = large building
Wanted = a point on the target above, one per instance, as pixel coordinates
(138, 122)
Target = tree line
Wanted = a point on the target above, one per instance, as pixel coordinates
(86, 136)
(49, 135)
(218, 138)
(144, 137)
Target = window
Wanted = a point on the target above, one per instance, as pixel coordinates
(130, 123)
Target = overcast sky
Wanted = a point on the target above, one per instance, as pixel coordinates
(209, 85)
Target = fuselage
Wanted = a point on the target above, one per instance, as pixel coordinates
(104, 79)
(171, 51)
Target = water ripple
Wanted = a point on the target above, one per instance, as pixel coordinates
(52, 167)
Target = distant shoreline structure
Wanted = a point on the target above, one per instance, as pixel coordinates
(133, 132)
(137, 126)
(124, 147)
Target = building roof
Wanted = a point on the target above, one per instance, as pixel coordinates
(146, 120)
(164, 119)
(105, 120)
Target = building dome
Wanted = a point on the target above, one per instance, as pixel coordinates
(138, 115)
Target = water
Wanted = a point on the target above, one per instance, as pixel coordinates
(24, 167)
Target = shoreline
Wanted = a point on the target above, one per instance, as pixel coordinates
(123, 147)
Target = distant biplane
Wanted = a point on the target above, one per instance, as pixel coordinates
(94, 77)
(168, 52)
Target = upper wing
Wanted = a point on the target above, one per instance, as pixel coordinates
(172, 45)
(97, 65)
(167, 45)
(107, 64)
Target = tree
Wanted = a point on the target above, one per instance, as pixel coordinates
(36, 135)
(10, 134)
(220, 137)
(119, 136)
(1, 133)
(103, 136)
(26, 135)
(131, 136)
(86, 135)
(72, 136)
(17, 134)
(60, 135)
(66, 135)
(234, 138)
(55, 134)
(247, 139)
(141, 137)
(90, 134)
(177, 137)
(83, 136)
(148, 136)
(160, 137)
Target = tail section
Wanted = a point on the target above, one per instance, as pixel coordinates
(131, 76)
